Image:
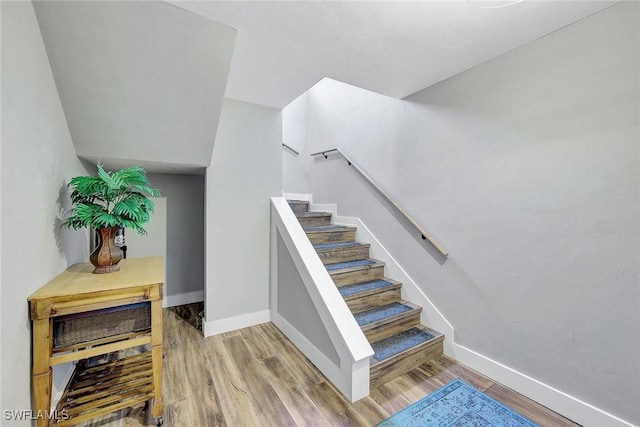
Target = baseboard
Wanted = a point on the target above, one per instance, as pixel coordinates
(229, 324)
(182, 299)
(557, 400)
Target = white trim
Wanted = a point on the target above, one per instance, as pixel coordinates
(182, 299)
(358, 374)
(229, 324)
(344, 331)
(273, 270)
(313, 207)
(324, 207)
(352, 377)
(557, 400)
(298, 196)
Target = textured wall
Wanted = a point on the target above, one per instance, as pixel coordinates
(295, 168)
(38, 160)
(245, 172)
(296, 306)
(526, 168)
(138, 80)
(185, 231)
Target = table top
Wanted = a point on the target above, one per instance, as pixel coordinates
(79, 278)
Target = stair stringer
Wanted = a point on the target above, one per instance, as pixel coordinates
(430, 315)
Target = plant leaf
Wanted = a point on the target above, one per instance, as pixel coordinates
(110, 199)
(104, 219)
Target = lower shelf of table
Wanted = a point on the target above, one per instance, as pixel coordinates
(106, 388)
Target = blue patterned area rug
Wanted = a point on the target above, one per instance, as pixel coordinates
(457, 405)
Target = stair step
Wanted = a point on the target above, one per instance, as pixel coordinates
(350, 264)
(387, 320)
(366, 295)
(298, 206)
(391, 325)
(335, 245)
(351, 272)
(331, 253)
(330, 233)
(400, 342)
(367, 288)
(310, 219)
(403, 352)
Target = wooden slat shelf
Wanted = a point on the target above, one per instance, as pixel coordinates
(96, 351)
(120, 365)
(79, 315)
(87, 383)
(102, 389)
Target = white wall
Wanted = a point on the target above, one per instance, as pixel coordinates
(245, 171)
(526, 168)
(295, 168)
(154, 243)
(38, 159)
(138, 80)
(295, 305)
(185, 236)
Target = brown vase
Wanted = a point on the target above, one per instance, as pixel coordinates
(107, 255)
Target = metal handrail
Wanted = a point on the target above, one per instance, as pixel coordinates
(423, 233)
(290, 149)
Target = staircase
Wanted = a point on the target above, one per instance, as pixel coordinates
(391, 325)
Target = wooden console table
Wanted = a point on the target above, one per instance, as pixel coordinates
(78, 296)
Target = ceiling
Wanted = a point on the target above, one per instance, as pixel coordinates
(394, 48)
(130, 90)
(143, 82)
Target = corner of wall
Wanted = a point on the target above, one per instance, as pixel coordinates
(215, 327)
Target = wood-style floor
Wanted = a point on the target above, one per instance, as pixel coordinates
(257, 377)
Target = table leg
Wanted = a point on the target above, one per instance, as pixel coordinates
(156, 356)
(41, 374)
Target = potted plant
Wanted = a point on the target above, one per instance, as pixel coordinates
(107, 202)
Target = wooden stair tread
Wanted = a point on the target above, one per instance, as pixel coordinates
(313, 219)
(328, 228)
(367, 294)
(387, 313)
(327, 233)
(358, 290)
(313, 214)
(403, 341)
(349, 266)
(298, 206)
(325, 247)
(390, 324)
(342, 251)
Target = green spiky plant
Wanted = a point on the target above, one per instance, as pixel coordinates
(111, 199)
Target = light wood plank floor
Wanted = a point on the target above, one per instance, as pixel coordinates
(257, 377)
